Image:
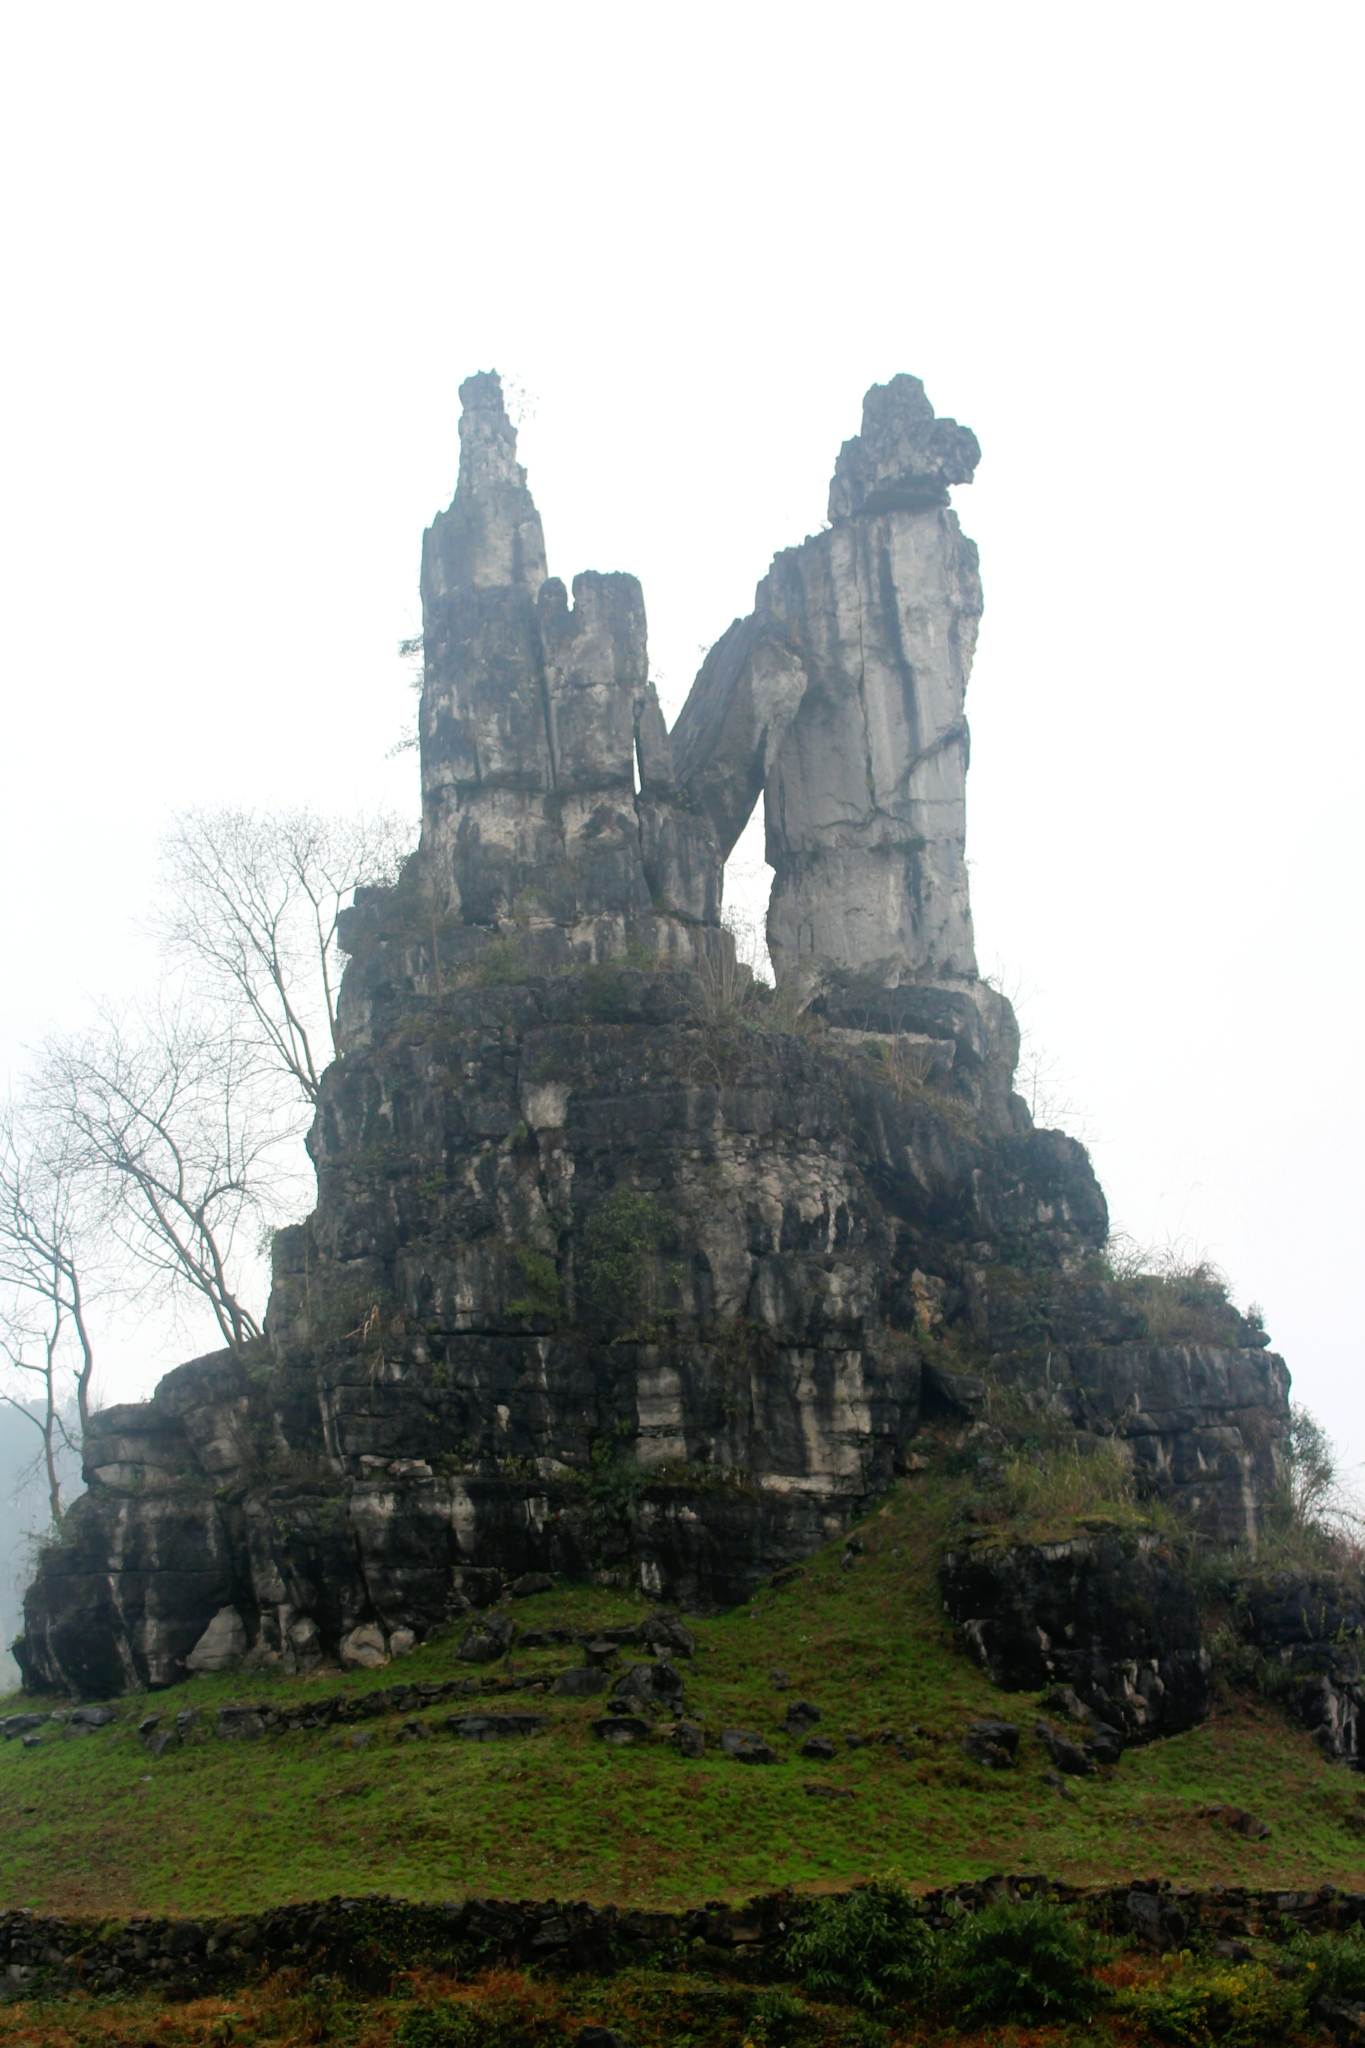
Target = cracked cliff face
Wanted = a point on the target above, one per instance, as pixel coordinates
(613, 1272)
(534, 715)
(841, 698)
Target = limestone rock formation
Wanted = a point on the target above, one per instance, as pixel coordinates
(533, 715)
(623, 1267)
(841, 698)
(1109, 1616)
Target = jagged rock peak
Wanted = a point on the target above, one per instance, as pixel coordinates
(490, 537)
(488, 440)
(904, 459)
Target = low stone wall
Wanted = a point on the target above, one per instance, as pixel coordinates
(365, 1941)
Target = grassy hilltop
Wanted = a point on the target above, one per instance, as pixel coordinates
(96, 1826)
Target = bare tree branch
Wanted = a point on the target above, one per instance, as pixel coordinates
(42, 1223)
(250, 906)
(176, 1124)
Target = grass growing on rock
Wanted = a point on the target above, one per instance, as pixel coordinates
(95, 1826)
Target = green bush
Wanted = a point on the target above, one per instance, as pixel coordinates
(500, 964)
(1235, 2006)
(541, 1275)
(871, 1946)
(1333, 1966)
(620, 1267)
(1023, 1964)
(449, 2025)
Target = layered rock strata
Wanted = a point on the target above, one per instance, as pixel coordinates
(623, 1267)
(1110, 1617)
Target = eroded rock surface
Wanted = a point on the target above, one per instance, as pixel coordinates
(622, 1268)
(841, 698)
(1110, 1616)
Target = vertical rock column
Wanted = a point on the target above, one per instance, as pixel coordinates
(841, 699)
(529, 709)
(866, 810)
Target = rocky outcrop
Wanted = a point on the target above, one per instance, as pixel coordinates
(570, 1301)
(1200, 1426)
(1310, 1630)
(622, 1267)
(1109, 1617)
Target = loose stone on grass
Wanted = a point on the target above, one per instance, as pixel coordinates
(581, 1681)
(622, 1730)
(992, 1743)
(746, 1747)
(494, 1727)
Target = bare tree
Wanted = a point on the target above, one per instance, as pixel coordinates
(250, 902)
(176, 1127)
(44, 1334)
(43, 1410)
(41, 1225)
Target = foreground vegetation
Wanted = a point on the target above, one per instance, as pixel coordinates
(97, 1826)
(868, 1974)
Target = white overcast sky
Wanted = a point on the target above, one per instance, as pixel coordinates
(249, 253)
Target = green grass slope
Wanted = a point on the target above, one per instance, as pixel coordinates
(95, 1826)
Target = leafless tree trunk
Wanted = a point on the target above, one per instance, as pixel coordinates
(48, 1421)
(42, 1298)
(174, 1124)
(250, 902)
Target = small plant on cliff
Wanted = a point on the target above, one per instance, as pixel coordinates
(722, 1002)
(1333, 1964)
(499, 965)
(1313, 1520)
(491, 2023)
(1182, 1296)
(614, 1483)
(1046, 1492)
(622, 1241)
(539, 1272)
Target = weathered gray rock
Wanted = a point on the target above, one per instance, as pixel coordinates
(611, 1276)
(657, 1687)
(222, 1645)
(534, 713)
(242, 1723)
(22, 1724)
(91, 1717)
(841, 699)
(1111, 1615)
(904, 459)
(668, 1635)
(1313, 1626)
(747, 1747)
(993, 1743)
(622, 1731)
(364, 1648)
(1071, 1757)
(494, 1727)
(1202, 1426)
(581, 1681)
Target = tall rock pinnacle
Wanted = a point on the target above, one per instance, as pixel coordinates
(841, 698)
(533, 712)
